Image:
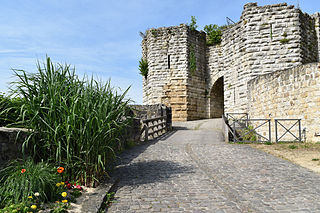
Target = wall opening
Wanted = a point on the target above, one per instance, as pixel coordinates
(217, 99)
(168, 61)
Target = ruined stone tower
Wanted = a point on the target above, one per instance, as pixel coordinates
(266, 39)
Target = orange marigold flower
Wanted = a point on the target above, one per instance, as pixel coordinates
(60, 169)
(23, 171)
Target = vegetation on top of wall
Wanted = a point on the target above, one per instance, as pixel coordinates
(214, 33)
(154, 32)
(143, 67)
(192, 60)
(193, 25)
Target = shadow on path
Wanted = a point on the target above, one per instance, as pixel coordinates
(153, 171)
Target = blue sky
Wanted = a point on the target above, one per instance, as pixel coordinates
(101, 38)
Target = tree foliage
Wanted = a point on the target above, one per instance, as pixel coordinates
(193, 25)
(214, 34)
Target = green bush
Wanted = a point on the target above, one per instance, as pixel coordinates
(9, 110)
(193, 25)
(248, 134)
(76, 123)
(214, 34)
(143, 68)
(22, 179)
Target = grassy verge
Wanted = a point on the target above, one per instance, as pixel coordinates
(304, 154)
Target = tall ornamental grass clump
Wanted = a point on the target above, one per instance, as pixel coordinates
(76, 123)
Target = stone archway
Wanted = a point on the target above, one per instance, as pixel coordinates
(217, 99)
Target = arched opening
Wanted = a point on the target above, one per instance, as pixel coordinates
(217, 99)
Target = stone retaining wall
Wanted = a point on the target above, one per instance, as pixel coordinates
(291, 93)
(10, 148)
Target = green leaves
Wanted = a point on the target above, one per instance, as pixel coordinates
(214, 33)
(22, 179)
(143, 67)
(193, 25)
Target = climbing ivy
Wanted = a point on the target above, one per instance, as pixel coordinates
(143, 67)
(192, 60)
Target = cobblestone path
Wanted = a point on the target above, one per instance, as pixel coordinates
(193, 170)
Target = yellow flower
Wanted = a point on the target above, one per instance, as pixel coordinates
(62, 183)
(58, 184)
(33, 207)
(64, 201)
(64, 194)
(30, 197)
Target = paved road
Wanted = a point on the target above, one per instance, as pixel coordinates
(193, 170)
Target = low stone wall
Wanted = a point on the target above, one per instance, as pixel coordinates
(150, 111)
(292, 93)
(10, 148)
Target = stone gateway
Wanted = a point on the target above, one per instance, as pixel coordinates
(200, 81)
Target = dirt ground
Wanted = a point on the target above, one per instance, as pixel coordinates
(304, 154)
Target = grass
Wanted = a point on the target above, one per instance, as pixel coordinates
(77, 123)
(24, 178)
(292, 146)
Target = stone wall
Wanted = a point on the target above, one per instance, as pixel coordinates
(309, 39)
(291, 93)
(265, 40)
(197, 106)
(316, 17)
(149, 111)
(10, 148)
(166, 51)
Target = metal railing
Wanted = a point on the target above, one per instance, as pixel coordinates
(154, 127)
(280, 123)
(243, 129)
(248, 131)
(238, 118)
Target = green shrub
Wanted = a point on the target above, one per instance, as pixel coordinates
(77, 123)
(9, 110)
(22, 179)
(143, 68)
(193, 25)
(214, 34)
(248, 134)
